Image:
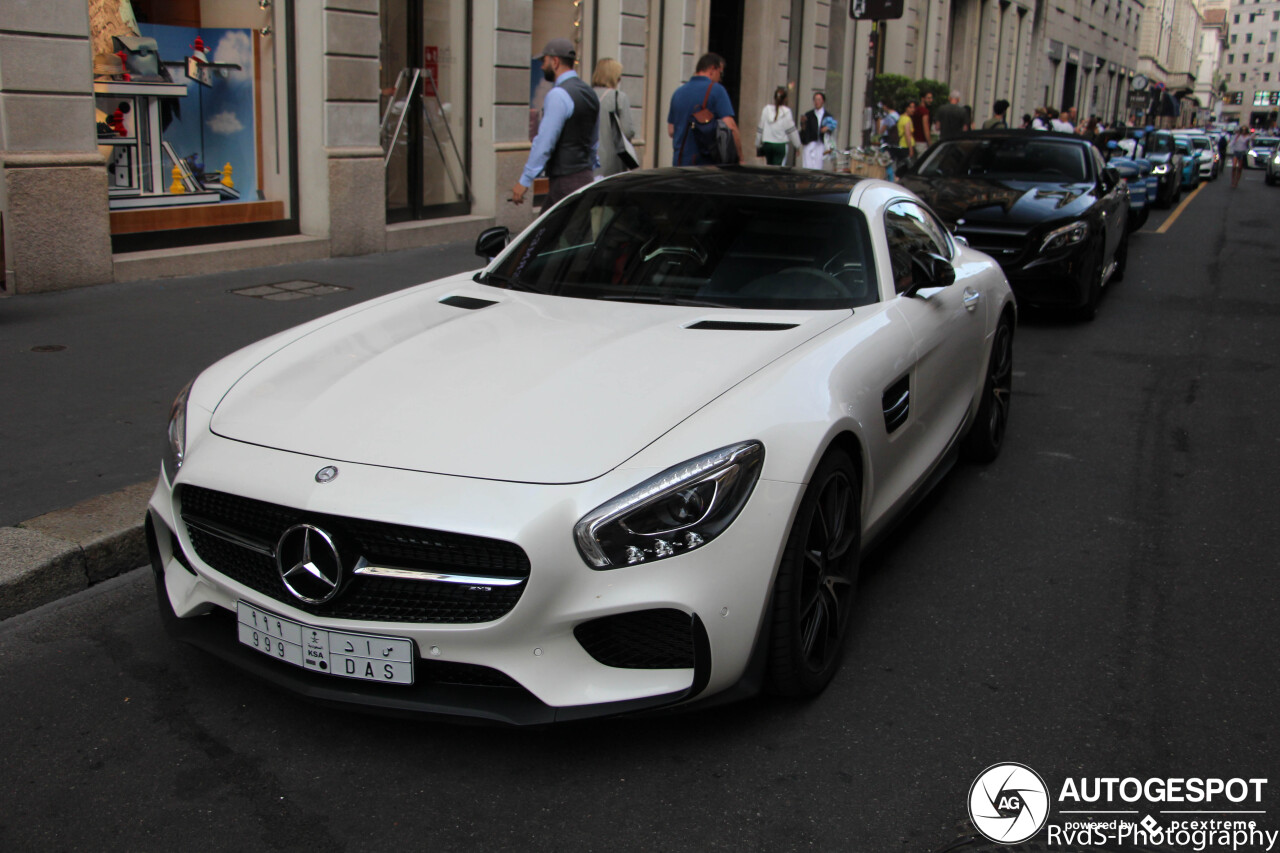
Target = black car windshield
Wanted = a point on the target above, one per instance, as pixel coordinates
(1019, 158)
(1160, 143)
(697, 249)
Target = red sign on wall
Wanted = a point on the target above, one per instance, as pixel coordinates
(431, 64)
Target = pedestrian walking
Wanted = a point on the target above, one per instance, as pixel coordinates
(1239, 148)
(997, 120)
(921, 125)
(952, 118)
(567, 139)
(702, 91)
(777, 130)
(814, 131)
(615, 106)
(906, 134)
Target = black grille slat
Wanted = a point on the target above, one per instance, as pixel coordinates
(644, 639)
(378, 599)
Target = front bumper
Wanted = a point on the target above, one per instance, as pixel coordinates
(531, 664)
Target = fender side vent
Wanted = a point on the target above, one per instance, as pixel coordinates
(897, 404)
(729, 326)
(470, 303)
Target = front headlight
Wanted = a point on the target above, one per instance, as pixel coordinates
(1160, 169)
(1067, 235)
(176, 447)
(674, 512)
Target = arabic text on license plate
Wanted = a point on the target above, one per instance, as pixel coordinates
(367, 657)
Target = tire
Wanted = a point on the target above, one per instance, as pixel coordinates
(1094, 289)
(986, 436)
(814, 590)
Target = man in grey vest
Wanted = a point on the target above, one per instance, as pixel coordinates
(568, 132)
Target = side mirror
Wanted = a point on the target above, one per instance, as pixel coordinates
(1111, 177)
(492, 241)
(930, 270)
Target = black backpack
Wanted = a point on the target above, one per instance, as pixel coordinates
(713, 138)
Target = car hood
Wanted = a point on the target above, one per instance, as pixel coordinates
(991, 201)
(528, 388)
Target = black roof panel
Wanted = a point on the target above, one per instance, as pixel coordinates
(757, 181)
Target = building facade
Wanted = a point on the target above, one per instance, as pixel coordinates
(1169, 47)
(1251, 73)
(1209, 76)
(254, 132)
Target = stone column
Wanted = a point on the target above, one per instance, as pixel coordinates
(357, 181)
(57, 227)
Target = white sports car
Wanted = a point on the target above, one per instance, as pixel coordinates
(633, 463)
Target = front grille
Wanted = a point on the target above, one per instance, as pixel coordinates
(376, 599)
(1007, 247)
(644, 639)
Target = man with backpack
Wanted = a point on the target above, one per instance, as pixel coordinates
(701, 120)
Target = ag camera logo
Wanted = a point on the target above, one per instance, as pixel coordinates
(1008, 803)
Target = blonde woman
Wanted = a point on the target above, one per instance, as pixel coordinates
(777, 127)
(613, 100)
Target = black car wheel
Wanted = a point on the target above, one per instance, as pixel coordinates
(814, 591)
(986, 436)
(1093, 267)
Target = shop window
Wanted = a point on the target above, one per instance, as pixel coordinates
(194, 108)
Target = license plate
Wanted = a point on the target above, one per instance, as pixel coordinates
(367, 657)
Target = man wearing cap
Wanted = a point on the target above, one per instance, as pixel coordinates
(567, 134)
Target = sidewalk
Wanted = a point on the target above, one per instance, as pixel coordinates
(89, 374)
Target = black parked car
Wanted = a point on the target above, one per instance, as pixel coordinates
(1045, 205)
(1167, 164)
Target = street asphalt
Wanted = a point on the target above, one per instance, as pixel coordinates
(89, 375)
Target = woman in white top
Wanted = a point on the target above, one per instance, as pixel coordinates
(777, 127)
(605, 81)
(1239, 146)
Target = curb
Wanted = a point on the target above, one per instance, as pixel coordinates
(65, 551)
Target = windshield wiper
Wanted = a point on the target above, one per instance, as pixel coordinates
(500, 280)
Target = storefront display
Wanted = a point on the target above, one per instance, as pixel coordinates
(193, 119)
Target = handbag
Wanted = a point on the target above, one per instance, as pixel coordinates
(625, 150)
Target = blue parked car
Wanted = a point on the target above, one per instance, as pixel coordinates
(1135, 178)
(1190, 162)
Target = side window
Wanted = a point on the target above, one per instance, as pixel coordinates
(912, 232)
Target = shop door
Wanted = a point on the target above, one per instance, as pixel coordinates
(425, 108)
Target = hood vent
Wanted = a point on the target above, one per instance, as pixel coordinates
(470, 303)
(729, 326)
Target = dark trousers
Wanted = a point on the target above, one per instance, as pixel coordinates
(563, 185)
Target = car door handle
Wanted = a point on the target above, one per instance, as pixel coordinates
(971, 298)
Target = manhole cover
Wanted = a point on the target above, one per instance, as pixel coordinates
(284, 291)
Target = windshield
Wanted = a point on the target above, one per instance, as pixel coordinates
(1200, 142)
(1019, 158)
(676, 249)
(1265, 142)
(1159, 143)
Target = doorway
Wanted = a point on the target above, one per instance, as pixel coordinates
(725, 38)
(425, 103)
(1069, 86)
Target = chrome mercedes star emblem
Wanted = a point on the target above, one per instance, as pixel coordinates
(327, 474)
(309, 564)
